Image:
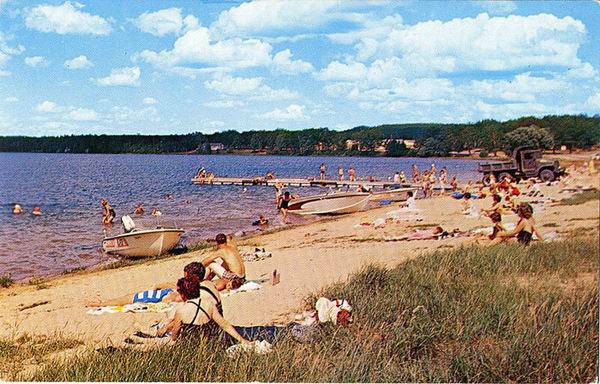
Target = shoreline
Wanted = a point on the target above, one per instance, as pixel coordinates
(308, 256)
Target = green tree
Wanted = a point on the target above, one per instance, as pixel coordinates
(532, 136)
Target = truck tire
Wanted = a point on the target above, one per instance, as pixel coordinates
(547, 175)
(486, 179)
(502, 175)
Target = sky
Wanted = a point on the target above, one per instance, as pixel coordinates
(172, 67)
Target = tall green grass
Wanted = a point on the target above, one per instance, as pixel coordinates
(505, 313)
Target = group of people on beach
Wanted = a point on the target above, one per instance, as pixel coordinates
(430, 177)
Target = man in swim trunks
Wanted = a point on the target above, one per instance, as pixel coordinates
(231, 272)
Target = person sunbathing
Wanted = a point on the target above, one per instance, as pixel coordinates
(422, 234)
(231, 272)
(201, 313)
(163, 292)
(524, 230)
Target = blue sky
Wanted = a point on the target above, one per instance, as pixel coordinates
(157, 67)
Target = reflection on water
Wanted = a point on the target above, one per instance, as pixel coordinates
(69, 187)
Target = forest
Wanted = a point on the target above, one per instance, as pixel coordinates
(431, 139)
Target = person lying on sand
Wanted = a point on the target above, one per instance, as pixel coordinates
(231, 273)
(524, 230)
(421, 234)
(164, 292)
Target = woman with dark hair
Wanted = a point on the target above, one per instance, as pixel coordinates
(283, 204)
(201, 313)
(525, 228)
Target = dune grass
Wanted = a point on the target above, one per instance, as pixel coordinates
(505, 313)
(6, 281)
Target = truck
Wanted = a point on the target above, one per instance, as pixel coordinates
(526, 163)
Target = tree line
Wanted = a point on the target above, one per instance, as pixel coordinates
(573, 131)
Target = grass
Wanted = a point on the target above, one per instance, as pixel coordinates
(493, 314)
(6, 281)
(581, 198)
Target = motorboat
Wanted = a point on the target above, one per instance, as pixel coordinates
(330, 204)
(396, 194)
(141, 242)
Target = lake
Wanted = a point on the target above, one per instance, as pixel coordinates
(68, 188)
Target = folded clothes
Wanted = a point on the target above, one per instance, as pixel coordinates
(259, 347)
(246, 287)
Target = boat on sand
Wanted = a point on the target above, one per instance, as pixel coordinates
(396, 194)
(331, 204)
(141, 242)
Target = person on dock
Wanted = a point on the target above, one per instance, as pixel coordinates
(17, 209)
(283, 204)
(351, 173)
(108, 213)
(341, 173)
(397, 178)
(322, 171)
(269, 175)
(415, 173)
(402, 177)
(231, 272)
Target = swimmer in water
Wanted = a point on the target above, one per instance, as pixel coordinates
(156, 212)
(139, 209)
(37, 211)
(17, 209)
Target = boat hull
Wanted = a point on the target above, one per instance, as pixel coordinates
(399, 194)
(335, 204)
(146, 243)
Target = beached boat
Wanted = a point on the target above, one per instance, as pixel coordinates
(397, 194)
(332, 204)
(142, 242)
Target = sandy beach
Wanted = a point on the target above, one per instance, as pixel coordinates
(308, 258)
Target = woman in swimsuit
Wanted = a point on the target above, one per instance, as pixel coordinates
(525, 228)
(284, 201)
(201, 314)
(496, 206)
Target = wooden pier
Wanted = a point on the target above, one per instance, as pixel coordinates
(299, 182)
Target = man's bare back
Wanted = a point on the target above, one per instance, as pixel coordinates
(232, 261)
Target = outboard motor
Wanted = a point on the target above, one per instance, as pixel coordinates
(128, 224)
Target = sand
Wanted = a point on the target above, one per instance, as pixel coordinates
(308, 257)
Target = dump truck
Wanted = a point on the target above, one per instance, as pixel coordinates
(526, 163)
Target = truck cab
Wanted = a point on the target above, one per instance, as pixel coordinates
(526, 162)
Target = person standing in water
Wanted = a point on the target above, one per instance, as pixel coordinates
(341, 173)
(283, 204)
(108, 213)
(322, 171)
(415, 173)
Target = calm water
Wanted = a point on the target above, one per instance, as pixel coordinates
(68, 188)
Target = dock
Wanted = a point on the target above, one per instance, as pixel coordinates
(299, 182)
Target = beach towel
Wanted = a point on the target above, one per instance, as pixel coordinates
(135, 308)
(246, 287)
(151, 295)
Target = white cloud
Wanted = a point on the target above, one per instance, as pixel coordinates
(36, 61)
(82, 114)
(522, 88)
(7, 52)
(337, 71)
(584, 71)
(252, 87)
(223, 104)
(195, 50)
(66, 18)
(283, 63)
(123, 115)
(4, 73)
(480, 43)
(161, 23)
(129, 76)
(79, 62)
(149, 100)
(497, 7)
(292, 112)
(264, 16)
(593, 101)
(11, 99)
(48, 106)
